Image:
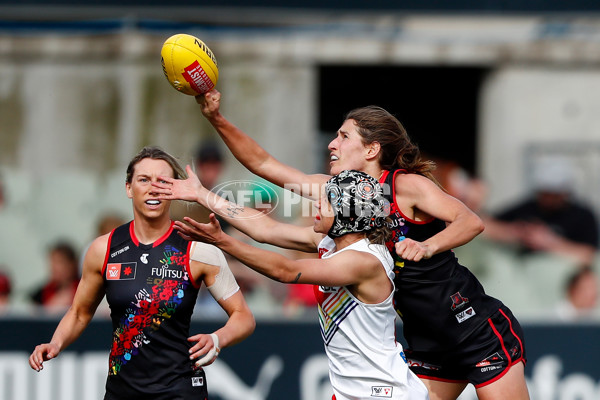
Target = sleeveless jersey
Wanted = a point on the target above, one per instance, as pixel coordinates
(151, 298)
(440, 301)
(365, 361)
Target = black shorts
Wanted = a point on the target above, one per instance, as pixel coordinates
(184, 388)
(482, 358)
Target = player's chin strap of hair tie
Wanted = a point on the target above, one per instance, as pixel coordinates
(213, 353)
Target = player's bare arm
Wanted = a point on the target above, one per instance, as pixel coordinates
(421, 199)
(219, 280)
(87, 298)
(253, 223)
(255, 158)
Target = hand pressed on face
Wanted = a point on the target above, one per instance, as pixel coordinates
(178, 189)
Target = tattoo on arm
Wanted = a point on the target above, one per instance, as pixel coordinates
(233, 210)
(297, 277)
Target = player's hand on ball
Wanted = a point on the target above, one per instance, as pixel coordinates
(209, 103)
(411, 250)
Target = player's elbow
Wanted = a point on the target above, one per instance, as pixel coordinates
(477, 224)
(285, 273)
(247, 325)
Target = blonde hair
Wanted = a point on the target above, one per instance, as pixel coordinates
(155, 153)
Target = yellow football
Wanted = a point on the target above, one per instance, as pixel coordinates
(189, 65)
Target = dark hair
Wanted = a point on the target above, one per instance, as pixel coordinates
(66, 249)
(208, 152)
(397, 150)
(69, 253)
(155, 153)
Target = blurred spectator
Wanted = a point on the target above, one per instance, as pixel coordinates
(57, 293)
(552, 221)
(300, 298)
(581, 297)
(5, 292)
(459, 183)
(209, 166)
(108, 222)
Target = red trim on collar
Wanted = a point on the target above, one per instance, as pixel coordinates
(132, 234)
(382, 180)
(165, 236)
(156, 243)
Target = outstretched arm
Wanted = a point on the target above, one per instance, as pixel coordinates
(89, 294)
(253, 156)
(346, 268)
(253, 223)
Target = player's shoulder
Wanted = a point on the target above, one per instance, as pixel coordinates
(99, 246)
(96, 253)
(206, 253)
(363, 253)
(408, 183)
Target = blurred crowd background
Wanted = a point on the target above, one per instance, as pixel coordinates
(503, 96)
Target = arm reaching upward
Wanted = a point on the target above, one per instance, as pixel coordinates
(253, 156)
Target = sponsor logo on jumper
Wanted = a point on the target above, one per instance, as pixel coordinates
(144, 258)
(465, 315)
(120, 272)
(120, 251)
(381, 391)
(164, 272)
(494, 359)
(458, 301)
(197, 381)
